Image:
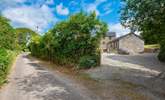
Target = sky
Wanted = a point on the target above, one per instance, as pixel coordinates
(41, 15)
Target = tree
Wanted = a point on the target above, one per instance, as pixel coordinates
(78, 36)
(34, 45)
(148, 17)
(24, 36)
(150, 38)
(7, 34)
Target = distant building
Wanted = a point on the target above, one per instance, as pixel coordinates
(109, 36)
(126, 44)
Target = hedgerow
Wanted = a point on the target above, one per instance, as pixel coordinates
(8, 46)
(70, 40)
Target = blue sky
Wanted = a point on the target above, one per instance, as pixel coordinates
(45, 13)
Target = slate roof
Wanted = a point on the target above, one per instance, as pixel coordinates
(125, 36)
(111, 34)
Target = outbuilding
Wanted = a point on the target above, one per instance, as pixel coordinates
(127, 44)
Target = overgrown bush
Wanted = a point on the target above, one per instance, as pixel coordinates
(6, 58)
(88, 62)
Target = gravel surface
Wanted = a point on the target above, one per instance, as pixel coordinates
(32, 81)
(131, 77)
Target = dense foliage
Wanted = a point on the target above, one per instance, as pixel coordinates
(150, 38)
(161, 55)
(6, 58)
(7, 34)
(148, 17)
(8, 46)
(34, 47)
(10, 41)
(88, 61)
(24, 36)
(70, 39)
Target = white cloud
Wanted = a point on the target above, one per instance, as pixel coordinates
(62, 10)
(7, 3)
(19, 1)
(107, 9)
(30, 17)
(106, 12)
(119, 29)
(94, 6)
(11, 1)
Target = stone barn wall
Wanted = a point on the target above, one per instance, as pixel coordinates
(131, 44)
(103, 44)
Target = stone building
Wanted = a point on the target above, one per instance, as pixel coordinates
(127, 44)
(109, 36)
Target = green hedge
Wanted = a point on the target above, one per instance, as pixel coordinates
(88, 61)
(6, 58)
(69, 41)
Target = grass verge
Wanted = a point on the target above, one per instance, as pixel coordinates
(152, 46)
(7, 58)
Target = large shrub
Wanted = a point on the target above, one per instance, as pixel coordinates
(88, 61)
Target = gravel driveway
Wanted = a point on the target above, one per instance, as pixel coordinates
(32, 81)
(143, 73)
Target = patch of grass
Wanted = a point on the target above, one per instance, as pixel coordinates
(152, 46)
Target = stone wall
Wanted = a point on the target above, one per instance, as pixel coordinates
(131, 44)
(103, 44)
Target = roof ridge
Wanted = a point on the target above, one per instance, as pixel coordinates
(125, 36)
